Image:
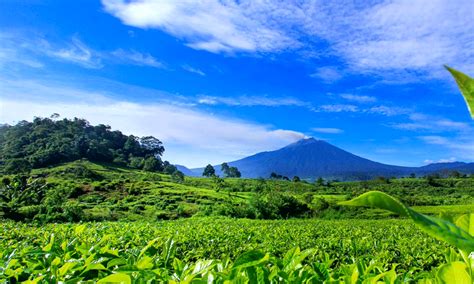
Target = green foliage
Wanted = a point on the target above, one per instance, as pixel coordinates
(219, 250)
(438, 228)
(278, 206)
(45, 141)
(231, 172)
(466, 85)
(177, 176)
(459, 234)
(17, 166)
(152, 164)
(20, 192)
(209, 171)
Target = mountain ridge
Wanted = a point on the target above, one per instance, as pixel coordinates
(310, 158)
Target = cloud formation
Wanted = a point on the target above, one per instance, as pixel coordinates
(32, 51)
(193, 70)
(136, 58)
(214, 138)
(215, 26)
(358, 98)
(327, 130)
(407, 37)
(252, 101)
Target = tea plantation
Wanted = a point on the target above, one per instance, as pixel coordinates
(88, 222)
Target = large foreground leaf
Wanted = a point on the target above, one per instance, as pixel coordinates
(466, 85)
(438, 228)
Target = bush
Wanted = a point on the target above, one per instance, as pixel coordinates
(17, 166)
(277, 206)
(81, 171)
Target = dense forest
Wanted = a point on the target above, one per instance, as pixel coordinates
(49, 141)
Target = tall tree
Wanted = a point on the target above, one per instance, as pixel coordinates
(234, 172)
(152, 146)
(225, 169)
(209, 171)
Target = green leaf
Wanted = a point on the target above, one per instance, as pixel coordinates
(435, 227)
(66, 267)
(116, 278)
(79, 229)
(466, 222)
(250, 258)
(466, 85)
(95, 266)
(454, 272)
(49, 246)
(145, 262)
(116, 262)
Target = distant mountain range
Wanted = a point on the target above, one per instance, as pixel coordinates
(311, 158)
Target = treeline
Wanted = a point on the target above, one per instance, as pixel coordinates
(48, 141)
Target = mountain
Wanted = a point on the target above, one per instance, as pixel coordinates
(311, 158)
(184, 170)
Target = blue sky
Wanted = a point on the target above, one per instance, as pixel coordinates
(220, 80)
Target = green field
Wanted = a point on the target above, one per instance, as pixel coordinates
(99, 221)
(70, 253)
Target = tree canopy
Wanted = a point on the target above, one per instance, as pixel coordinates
(209, 171)
(48, 141)
(230, 171)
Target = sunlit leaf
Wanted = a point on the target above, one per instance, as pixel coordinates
(438, 228)
(454, 272)
(116, 278)
(466, 85)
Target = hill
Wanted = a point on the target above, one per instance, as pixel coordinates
(51, 141)
(311, 158)
(86, 191)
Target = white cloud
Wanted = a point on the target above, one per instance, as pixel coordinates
(186, 132)
(29, 50)
(252, 101)
(75, 51)
(193, 70)
(215, 26)
(337, 108)
(358, 98)
(448, 160)
(399, 35)
(328, 74)
(327, 130)
(406, 38)
(137, 58)
(388, 110)
(431, 123)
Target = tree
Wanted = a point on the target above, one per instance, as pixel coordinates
(454, 174)
(209, 171)
(152, 146)
(234, 172)
(16, 166)
(48, 141)
(296, 179)
(225, 169)
(177, 176)
(152, 164)
(320, 181)
(136, 162)
(169, 168)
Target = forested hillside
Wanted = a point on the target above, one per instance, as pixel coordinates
(49, 141)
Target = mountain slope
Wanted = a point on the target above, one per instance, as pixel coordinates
(311, 158)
